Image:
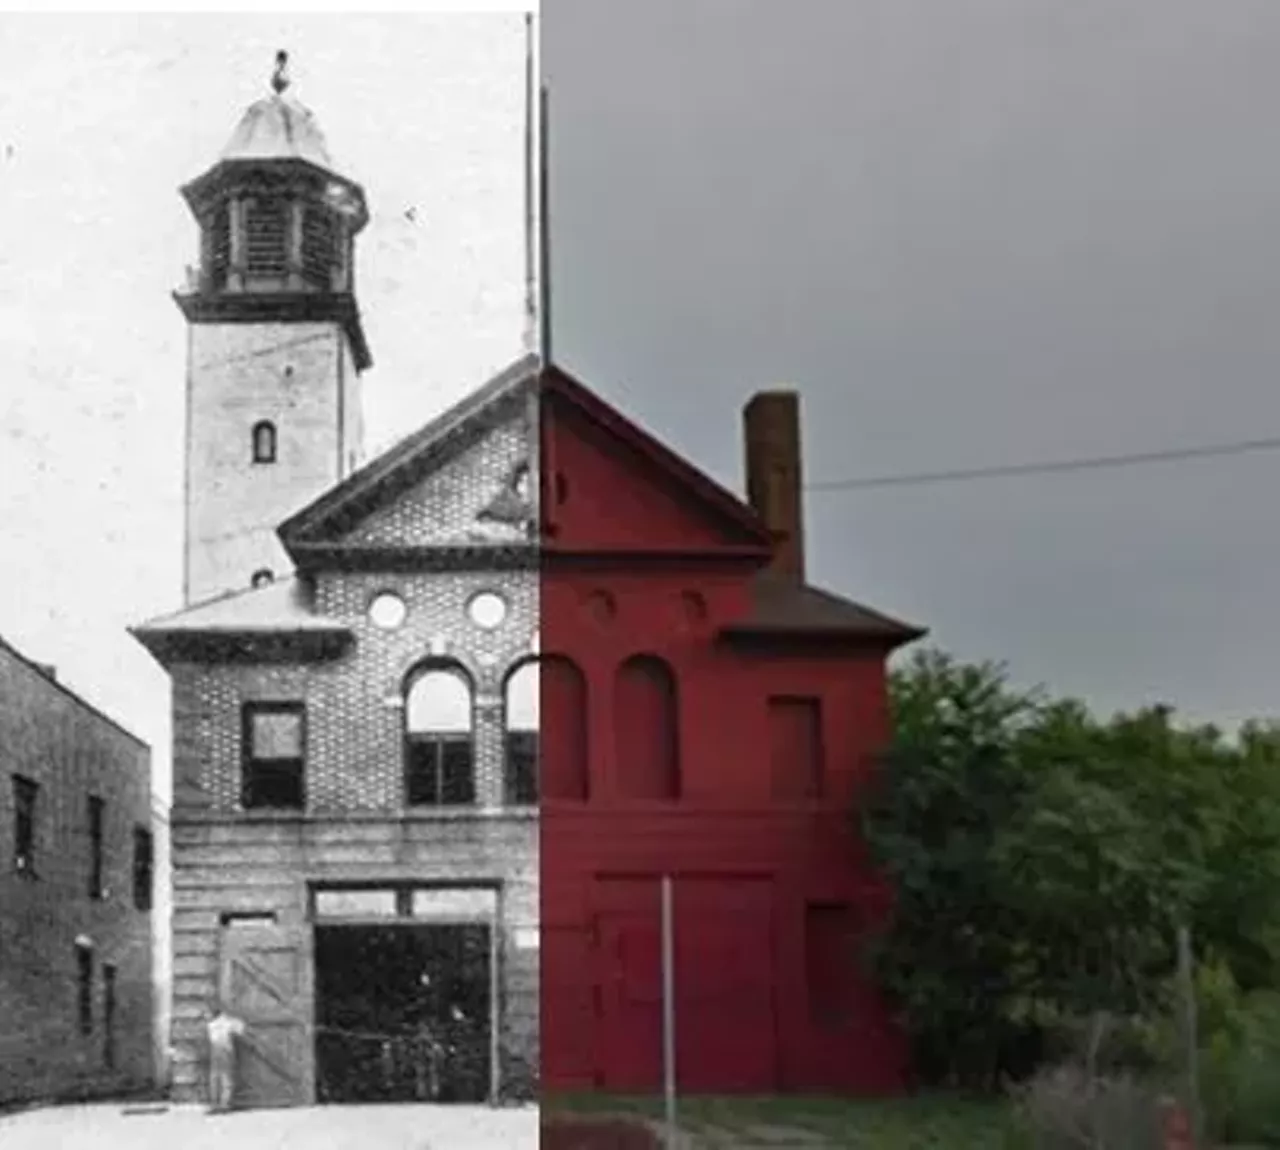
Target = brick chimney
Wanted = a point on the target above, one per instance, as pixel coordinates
(771, 422)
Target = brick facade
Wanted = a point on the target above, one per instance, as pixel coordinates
(70, 751)
(355, 826)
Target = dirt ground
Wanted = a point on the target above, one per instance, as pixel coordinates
(143, 1127)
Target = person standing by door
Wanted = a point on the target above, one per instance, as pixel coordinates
(223, 1028)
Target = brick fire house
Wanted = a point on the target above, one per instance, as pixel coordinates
(444, 719)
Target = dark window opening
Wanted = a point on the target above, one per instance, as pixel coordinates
(143, 868)
(521, 775)
(84, 987)
(97, 817)
(266, 237)
(25, 793)
(109, 1016)
(440, 770)
(264, 442)
(274, 741)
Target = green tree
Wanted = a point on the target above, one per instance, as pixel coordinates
(1042, 861)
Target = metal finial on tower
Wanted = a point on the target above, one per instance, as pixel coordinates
(279, 78)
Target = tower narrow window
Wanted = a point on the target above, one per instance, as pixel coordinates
(264, 442)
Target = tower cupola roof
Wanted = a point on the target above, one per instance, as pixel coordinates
(279, 127)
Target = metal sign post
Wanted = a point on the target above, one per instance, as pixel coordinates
(668, 1014)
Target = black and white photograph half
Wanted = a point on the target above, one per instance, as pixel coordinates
(267, 688)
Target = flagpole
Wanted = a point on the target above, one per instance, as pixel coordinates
(530, 191)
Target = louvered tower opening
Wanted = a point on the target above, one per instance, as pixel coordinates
(266, 237)
(319, 246)
(219, 246)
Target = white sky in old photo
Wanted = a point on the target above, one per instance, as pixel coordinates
(101, 119)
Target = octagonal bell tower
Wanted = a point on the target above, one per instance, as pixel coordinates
(276, 347)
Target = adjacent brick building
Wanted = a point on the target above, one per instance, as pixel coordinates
(76, 875)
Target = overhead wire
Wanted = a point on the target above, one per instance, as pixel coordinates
(1047, 467)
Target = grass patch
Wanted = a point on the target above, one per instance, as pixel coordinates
(917, 1123)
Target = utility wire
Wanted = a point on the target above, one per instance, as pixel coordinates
(1170, 455)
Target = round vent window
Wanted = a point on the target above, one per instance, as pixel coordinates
(487, 610)
(387, 611)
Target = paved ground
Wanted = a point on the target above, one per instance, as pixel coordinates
(143, 1127)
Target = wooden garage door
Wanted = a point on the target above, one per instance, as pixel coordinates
(264, 982)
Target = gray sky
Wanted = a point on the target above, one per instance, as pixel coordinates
(101, 118)
(973, 232)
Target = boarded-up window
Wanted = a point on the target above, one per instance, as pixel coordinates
(266, 236)
(831, 962)
(795, 741)
(646, 730)
(439, 760)
(566, 774)
(274, 755)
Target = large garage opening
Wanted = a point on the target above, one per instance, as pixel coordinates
(404, 1010)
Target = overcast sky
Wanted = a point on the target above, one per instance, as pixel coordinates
(973, 232)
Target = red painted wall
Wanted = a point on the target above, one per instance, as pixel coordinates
(746, 867)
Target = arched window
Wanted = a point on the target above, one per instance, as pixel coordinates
(264, 442)
(646, 730)
(521, 700)
(439, 756)
(546, 761)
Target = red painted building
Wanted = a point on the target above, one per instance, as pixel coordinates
(708, 715)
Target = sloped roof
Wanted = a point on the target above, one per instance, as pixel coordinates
(783, 608)
(241, 621)
(407, 461)
(280, 606)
